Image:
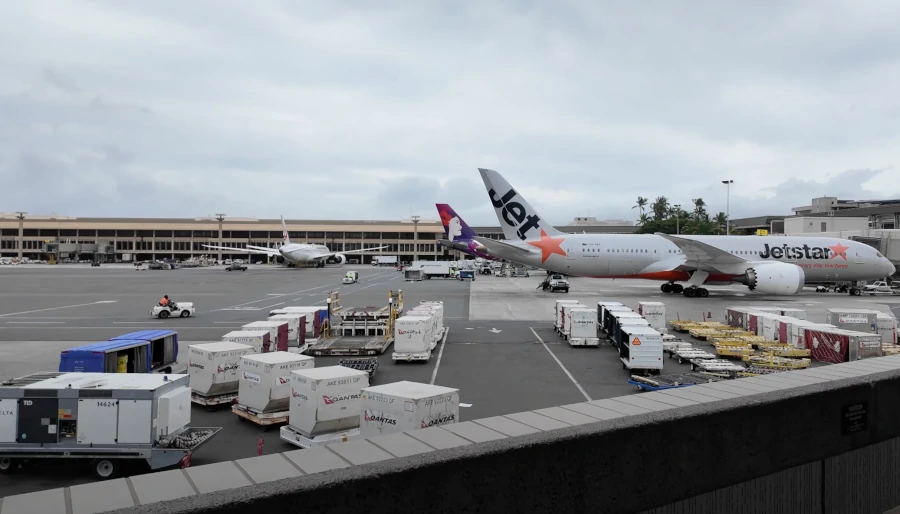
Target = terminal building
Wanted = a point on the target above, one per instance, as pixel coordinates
(54, 237)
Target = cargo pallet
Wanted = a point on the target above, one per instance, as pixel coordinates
(672, 381)
(263, 419)
(341, 346)
(716, 366)
(690, 354)
(291, 435)
(369, 365)
(214, 400)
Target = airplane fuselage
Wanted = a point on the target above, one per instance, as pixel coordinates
(653, 257)
(302, 253)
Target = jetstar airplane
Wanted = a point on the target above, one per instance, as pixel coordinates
(775, 265)
(296, 252)
(459, 235)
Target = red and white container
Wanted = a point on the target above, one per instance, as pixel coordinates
(278, 333)
(259, 339)
(265, 384)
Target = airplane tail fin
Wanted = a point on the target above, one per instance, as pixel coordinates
(517, 217)
(284, 233)
(455, 228)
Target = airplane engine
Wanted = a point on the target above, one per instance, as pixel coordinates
(777, 278)
(340, 258)
(279, 260)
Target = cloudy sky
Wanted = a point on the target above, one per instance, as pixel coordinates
(329, 110)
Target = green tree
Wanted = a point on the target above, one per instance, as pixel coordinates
(666, 218)
(721, 222)
(641, 204)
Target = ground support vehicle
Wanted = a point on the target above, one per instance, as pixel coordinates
(177, 310)
(658, 383)
(145, 351)
(369, 365)
(690, 354)
(264, 419)
(139, 417)
(236, 266)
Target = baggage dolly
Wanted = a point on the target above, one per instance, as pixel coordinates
(369, 365)
(264, 419)
(213, 401)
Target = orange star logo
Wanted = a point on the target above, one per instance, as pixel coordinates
(548, 246)
(839, 250)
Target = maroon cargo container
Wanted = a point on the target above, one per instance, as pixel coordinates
(301, 336)
(734, 318)
(281, 340)
(753, 323)
(827, 346)
(784, 335)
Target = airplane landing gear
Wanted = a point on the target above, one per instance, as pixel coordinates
(670, 287)
(694, 291)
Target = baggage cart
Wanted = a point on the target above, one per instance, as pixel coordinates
(716, 366)
(214, 400)
(369, 365)
(347, 346)
(292, 436)
(658, 383)
(690, 354)
(263, 419)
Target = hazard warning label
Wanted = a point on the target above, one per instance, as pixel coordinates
(635, 342)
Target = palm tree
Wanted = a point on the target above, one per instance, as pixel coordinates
(699, 207)
(660, 208)
(644, 219)
(641, 204)
(720, 221)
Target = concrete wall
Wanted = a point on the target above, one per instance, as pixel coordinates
(773, 444)
(813, 224)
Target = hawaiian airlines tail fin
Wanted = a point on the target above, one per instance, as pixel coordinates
(455, 228)
(284, 232)
(517, 217)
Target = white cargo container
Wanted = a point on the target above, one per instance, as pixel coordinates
(437, 327)
(641, 348)
(214, 367)
(412, 338)
(567, 318)
(310, 312)
(278, 333)
(293, 321)
(558, 315)
(887, 328)
(793, 313)
(856, 320)
(439, 306)
(655, 314)
(324, 406)
(402, 406)
(265, 384)
(583, 327)
(604, 303)
(257, 339)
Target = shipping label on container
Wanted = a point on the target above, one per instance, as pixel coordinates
(438, 400)
(227, 367)
(388, 400)
(441, 418)
(343, 381)
(870, 341)
(194, 365)
(377, 417)
(250, 377)
(853, 318)
(252, 364)
(299, 395)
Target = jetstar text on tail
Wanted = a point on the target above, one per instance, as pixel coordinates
(800, 252)
(514, 213)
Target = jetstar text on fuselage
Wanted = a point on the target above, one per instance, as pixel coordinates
(514, 213)
(795, 252)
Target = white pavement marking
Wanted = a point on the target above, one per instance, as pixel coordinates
(35, 322)
(561, 365)
(57, 308)
(273, 305)
(230, 322)
(134, 322)
(104, 327)
(440, 354)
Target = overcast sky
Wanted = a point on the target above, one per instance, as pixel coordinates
(327, 110)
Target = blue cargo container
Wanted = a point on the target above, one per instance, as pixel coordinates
(148, 351)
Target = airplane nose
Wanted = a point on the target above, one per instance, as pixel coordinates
(888, 266)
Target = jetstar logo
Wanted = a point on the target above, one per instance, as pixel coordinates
(227, 368)
(378, 417)
(331, 400)
(439, 420)
(514, 213)
(804, 252)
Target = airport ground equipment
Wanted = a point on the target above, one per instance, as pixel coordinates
(351, 277)
(467, 274)
(366, 331)
(179, 310)
(690, 354)
(582, 327)
(146, 351)
(641, 349)
(367, 364)
(715, 366)
(236, 266)
(264, 419)
(325, 406)
(660, 382)
(103, 417)
(214, 369)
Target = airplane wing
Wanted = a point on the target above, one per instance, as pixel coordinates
(255, 249)
(495, 246)
(324, 255)
(703, 253)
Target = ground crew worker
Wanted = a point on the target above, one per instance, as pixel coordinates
(165, 301)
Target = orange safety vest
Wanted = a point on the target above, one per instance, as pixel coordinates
(163, 302)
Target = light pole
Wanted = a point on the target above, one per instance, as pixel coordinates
(415, 220)
(21, 217)
(220, 218)
(727, 206)
(677, 218)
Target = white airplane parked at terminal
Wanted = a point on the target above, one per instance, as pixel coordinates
(776, 265)
(296, 253)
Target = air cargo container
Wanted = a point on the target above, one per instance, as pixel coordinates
(324, 406)
(315, 319)
(163, 347)
(604, 303)
(618, 334)
(858, 320)
(655, 314)
(412, 338)
(558, 315)
(774, 326)
(118, 356)
(105, 417)
(278, 333)
(402, 406)
(835, 345)
(437, 328)
(583, 327)
(613, 319)
(296, 330)
(797, 332)
(259, 339)
(437, 305)
(214, 367)
(641, 349)
(793, 313)
(607, 316)
(887, 327)
(265, 384)
(567, 318)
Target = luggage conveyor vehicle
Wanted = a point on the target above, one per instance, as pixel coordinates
(107, 418)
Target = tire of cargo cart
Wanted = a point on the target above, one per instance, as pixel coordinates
(8, 465)
(185, 314)
(105, 468)
(164, 314)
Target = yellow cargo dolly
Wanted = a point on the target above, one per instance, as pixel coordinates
(771, 361)
(733, 351)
